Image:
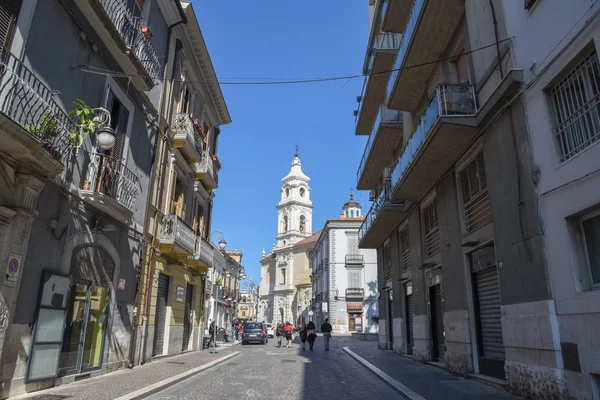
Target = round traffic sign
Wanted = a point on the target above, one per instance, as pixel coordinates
(13, 266)
(310, 313)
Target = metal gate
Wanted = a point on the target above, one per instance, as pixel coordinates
(187, 317)
(410, 310)
(160, 315)
(437, 322)
(489, 326)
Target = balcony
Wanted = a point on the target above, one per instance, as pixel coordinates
(121, 32)
(394, 15)
(355, 294)
(382, 218)
(176, 238)
(378, 154)
(202, 258)
(355, 259)
(35, 130)
(427, 34)
(207, 171)
(110, 186)
(443, 132)
(186, 138)
(381, 57)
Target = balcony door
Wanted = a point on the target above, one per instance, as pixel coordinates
(9, 12)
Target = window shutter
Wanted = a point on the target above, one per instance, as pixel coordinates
(164, 182)
(9, 11)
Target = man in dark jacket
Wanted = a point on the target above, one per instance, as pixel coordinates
(212, 331)
(326, 329)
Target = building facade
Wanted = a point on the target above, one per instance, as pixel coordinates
(458, 164)
(287, 263)
(179, 250)
(344, 277)
(248, 303)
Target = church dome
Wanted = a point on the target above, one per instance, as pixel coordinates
(352, 209)
(296, 171)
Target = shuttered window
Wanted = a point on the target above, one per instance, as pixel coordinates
(476, 201)
(405, 247)
(9, 11)
(387, 262)
(431, 229)
(352, 241)
(355, 279)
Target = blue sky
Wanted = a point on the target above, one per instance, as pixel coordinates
(284, 39)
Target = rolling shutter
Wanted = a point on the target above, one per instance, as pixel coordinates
(488, 302)
(160, 314)
(437, 322)
(410, 311)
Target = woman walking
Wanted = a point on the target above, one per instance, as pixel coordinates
(303, 336)
(287, 332)
(279, 333)
(311, 334)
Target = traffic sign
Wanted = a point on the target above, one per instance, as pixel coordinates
(12, 270)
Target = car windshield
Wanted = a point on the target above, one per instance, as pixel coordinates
(268, 325)
(253, 326)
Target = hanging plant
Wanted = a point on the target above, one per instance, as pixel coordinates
(86, 123)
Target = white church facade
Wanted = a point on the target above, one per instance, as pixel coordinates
(285, 270)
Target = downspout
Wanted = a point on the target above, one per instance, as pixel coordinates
(497, 40)
(161, 105)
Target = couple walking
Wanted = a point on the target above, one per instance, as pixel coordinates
(308, 334)
(284, 330)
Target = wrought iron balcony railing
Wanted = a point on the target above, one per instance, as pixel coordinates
(130, 30)
(382, 199)
(184, 125)
(448, 100)
(355, 293)
(174, 229)
(355, 259)
(111, 177)
(205, 251)
(30, 104)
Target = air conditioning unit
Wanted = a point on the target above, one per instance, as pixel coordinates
(372, 195)
(387, 176)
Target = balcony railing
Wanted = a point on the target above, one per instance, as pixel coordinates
(184, 125)
(382, 199)
(129, 29)
(111, 177)
(355, 259)
(384, 116)
(30, 104)
(207, 166)
(205, 251)
(355, 293)
(174, 229)
(408, 33)
(448, 100)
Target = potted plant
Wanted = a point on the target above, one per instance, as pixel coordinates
(46, 130)
(218, 282)
(85, 125)
(216, 162)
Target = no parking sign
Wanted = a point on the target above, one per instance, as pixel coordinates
(12, 270)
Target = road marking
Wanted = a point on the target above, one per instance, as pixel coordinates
(404, 391)
(158, 386)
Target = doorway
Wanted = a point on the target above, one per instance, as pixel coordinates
(410, 311)
(355, 322)
(437, 323)
(160, 316)
(391, 317)
(83, 338)
(188, 317)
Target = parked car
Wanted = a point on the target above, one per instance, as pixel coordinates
(270, 330)
(254, 332)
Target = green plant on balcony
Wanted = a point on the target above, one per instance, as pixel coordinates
(86, 123)
(218, 282)
(46, 129)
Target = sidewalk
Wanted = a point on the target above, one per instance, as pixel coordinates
(120, 383)
(425, 381)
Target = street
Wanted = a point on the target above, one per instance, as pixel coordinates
(268, 372)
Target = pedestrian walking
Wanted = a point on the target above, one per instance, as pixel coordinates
(326, 329)
(211, 332)
(238, 328)
(279, 333)
(311, 334)
(287, 332)
(303, 336)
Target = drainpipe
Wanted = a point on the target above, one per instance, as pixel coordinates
(497, 40)
(161, 105)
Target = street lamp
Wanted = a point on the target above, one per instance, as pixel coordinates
(222, 242)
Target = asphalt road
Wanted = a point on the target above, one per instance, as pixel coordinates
(268, 372)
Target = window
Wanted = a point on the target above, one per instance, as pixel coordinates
(355, 279)
(476, 201)
(282, 281)
(199, 220)
(243, 313)
(119, 118)
(302, 223)
(431, 229)
(591, 234)
(178, 202)
(302, 192)
(284, 224)
(405, 247)
(576, 102)
(387, 261)
(244, 299)
(352, 242)
(184, 100)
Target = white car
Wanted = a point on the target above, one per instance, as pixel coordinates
(270, 330)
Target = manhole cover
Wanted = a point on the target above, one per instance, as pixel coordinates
(288, 361)
(176, 362)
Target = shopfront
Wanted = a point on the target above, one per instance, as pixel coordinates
(355, 317)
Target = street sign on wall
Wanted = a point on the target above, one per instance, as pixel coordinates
(12, 270)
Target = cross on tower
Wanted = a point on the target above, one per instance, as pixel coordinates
(351, 192)
(296, 155)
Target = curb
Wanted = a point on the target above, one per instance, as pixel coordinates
(165, 383)
(399, 387)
